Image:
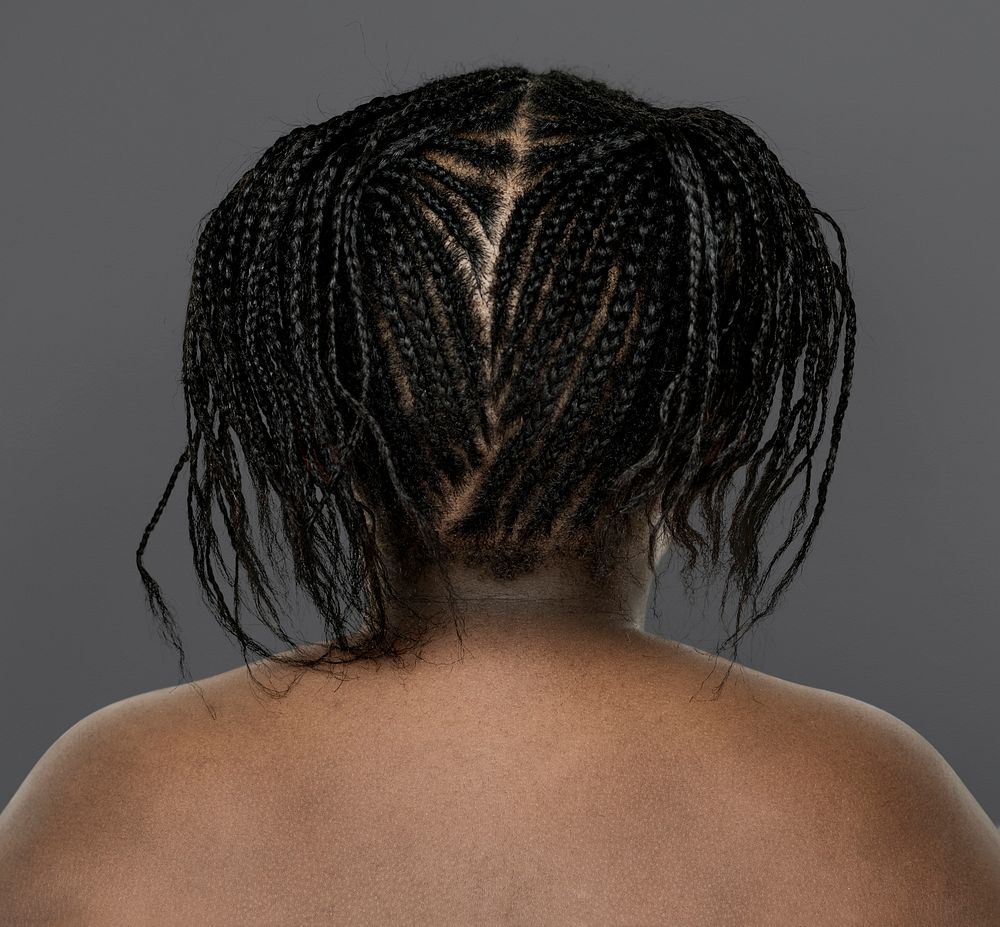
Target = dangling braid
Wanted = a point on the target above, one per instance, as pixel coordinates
(492, 318)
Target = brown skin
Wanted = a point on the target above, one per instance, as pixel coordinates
(559, 601)
(558, 768)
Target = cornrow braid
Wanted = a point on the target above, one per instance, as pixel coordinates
(501, 315)
(527, 382)
(564, 459)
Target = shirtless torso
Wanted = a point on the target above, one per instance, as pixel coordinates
(588, 787)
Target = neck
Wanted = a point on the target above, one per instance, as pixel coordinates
(558, 601)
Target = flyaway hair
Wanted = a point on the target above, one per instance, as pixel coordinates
(497, 316)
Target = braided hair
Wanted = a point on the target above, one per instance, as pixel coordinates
(498, 316)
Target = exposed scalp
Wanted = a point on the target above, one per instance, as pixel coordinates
(500, 316)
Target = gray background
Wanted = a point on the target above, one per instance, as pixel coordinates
(124, 123)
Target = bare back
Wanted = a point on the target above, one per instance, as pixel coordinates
(535, 790)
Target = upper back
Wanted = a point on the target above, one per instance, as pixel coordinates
(615, 792)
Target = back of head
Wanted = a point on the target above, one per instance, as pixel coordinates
(497, 318)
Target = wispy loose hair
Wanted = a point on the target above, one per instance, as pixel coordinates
(500, 315)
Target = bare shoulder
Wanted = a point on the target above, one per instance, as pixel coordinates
(855, 804)
(124, 791)
(93, 804)
(831, 799)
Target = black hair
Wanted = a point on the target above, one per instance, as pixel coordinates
(648, 276)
